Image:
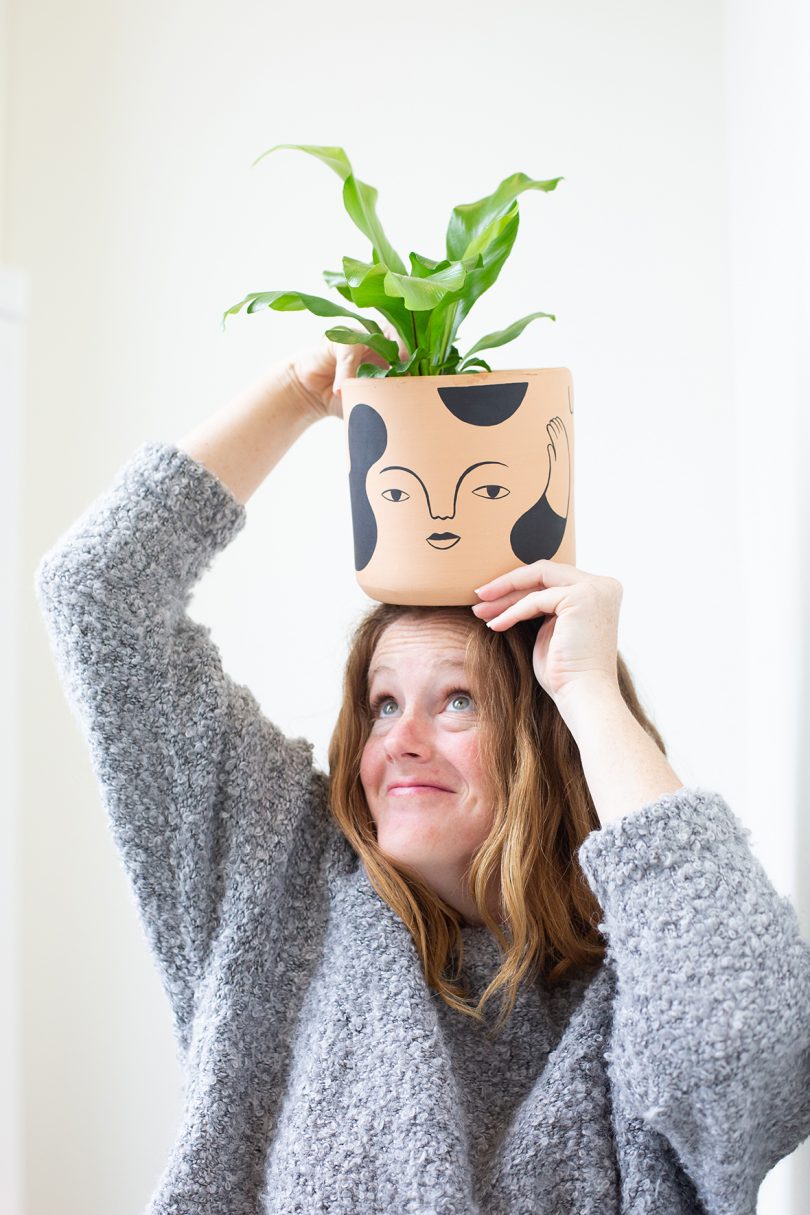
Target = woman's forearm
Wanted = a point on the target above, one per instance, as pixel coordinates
(623, 766)
(247, 437)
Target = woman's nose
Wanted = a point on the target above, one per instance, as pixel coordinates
(409, 734)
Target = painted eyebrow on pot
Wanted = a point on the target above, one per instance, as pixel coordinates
(404, 468)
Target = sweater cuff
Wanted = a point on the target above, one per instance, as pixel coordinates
(673, 831)
(201, 502)
(151, 534)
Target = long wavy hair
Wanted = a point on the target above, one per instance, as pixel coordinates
(543, 811)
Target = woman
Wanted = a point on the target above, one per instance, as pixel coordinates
(497, 801)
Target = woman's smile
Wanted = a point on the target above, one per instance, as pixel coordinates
(410, 790)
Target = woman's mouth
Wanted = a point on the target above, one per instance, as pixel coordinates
(412, 790)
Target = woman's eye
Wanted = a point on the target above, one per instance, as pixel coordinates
(401, 492)
(486, 491)
(381, 701)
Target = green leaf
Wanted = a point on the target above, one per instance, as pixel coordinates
(337, 279)
(366, 284)
(359, 198)
(449, 365)
(406, 366)
(297, 301)
(421, 294)
(502, 336)
(448, 316)
(423, 267)
(426, 306)
(357, 272)
(335, 158)
(376, 341)
(409, 366)
(470, 229)
(370, 371)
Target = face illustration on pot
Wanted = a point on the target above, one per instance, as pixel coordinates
(474, 481)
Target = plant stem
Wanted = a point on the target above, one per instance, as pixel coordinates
(413, 326)
(448, 325)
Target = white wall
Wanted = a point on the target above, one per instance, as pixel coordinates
(768, 142)
(131, 201)
(13, 300)
(13, 303)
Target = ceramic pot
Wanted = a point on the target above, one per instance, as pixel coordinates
(455, 479)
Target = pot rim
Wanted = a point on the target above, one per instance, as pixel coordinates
(478, 376)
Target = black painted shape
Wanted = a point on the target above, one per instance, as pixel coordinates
(483, 404)
(537, 535)
(368, 437)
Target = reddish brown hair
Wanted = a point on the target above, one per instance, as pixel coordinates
(543, 811)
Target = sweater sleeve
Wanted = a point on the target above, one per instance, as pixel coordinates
(163, 721)
(711, 1030)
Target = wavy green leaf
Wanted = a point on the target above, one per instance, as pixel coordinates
(423, 267)
(425, 306)
(422, 294)
(502, 336)
(297, 301)
(403, 367)
(366, 282)
(447, 318)
(470, 229)
(335, 158)
(377, 342)
(359, 198)
(337, 279)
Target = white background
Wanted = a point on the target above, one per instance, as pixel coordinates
(675, 257)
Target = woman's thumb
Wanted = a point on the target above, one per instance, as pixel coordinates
(390, 331)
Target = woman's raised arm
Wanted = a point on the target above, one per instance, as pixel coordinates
(197, 784)
(245, 439)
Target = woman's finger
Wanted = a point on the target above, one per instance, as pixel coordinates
(548, 573)
(488, 608)
(536, 603)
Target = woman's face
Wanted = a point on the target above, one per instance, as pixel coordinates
(425, 729)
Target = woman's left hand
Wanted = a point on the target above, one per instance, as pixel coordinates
(578, 644)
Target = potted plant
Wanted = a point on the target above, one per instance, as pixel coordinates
(457, 472)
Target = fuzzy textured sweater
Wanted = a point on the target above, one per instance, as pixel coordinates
(322, 1074)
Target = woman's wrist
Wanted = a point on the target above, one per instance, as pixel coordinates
(309, 401)
(245, 439)
(583, 698)
(624, 767)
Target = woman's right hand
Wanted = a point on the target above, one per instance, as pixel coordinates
(321, 370)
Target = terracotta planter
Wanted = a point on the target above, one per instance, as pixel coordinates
(455, 479)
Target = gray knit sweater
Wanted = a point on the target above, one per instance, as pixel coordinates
(322, 1074)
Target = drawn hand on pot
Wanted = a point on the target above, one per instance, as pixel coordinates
(559, 476)
(577, 645)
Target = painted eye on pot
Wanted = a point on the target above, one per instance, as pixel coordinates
(401, 492)
(489, 494)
